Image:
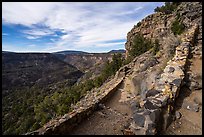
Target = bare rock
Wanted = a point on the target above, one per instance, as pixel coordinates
(178, 115)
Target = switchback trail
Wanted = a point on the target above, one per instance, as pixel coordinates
(111, 119)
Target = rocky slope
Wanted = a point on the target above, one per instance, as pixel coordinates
(158, 25)
(26, 79)
(28, 69)
(89, 63)
(153, 85)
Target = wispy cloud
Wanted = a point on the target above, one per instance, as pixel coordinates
(37, 33)
(81, 24)
(5, 34)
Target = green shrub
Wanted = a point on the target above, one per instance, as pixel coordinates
(138, 24)
(140, 45)
(168, 8)
(156, 47)
(177, 27)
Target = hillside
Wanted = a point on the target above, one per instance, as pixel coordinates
(153, 88)
(26, 79)
(158, 86)
(35, 77)
(39, 69)
(90, 63)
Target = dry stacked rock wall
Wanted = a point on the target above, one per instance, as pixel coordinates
(155, 109)
(85, 107)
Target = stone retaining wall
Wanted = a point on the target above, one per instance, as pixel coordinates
(85, 107)
(154, 113)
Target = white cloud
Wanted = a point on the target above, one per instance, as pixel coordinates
(83, 24)
(32, 45)
(25, 13)
(37, 33)
(32, 37)
(5, 34)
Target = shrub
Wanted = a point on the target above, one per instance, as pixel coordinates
(138, 24)
(177, 27)
(168, 8)
(156, 47)
(140, 45)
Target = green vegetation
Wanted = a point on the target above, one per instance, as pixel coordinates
(140, 45)
(156, 47)
(138, 24)
(35, 106)
(110, 69)
(168, 8)
(177, 26)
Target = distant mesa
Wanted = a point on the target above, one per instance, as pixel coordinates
(117, 51)
(66, 52)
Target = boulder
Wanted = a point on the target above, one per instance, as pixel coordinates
(139, 119)
(149, 105)
(176, 82)
(171, 69)
(151, 129)
(155, 115)
(152, 92)
(134, 105)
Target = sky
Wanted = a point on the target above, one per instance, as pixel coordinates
(57, 26)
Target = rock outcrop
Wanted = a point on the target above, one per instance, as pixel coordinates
(153, 82)
(155, 109)
(158, 25)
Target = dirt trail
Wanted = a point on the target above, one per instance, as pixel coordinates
(190, 122)
(110, 120)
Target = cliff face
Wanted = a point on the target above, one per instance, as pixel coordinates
(158, 25)
(151, 83)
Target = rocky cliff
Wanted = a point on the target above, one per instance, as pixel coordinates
(151, 83)
(158, 25)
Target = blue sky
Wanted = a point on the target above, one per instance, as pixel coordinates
(56, 26)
